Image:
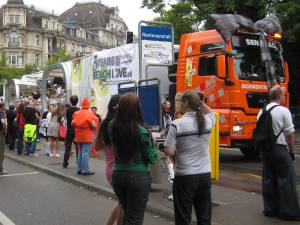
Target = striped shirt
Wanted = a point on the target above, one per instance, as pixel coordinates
(192, 150)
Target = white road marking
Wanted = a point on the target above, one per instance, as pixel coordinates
(18, 174)
(5, 220)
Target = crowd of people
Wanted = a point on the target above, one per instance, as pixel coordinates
(130, 150)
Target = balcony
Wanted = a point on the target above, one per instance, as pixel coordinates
(14, 44)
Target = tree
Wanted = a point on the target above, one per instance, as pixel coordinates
(62, 56)
(182, 17)
(3, 59)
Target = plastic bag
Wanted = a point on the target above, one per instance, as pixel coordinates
(269, 25)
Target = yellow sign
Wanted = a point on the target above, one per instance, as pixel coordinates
(189, 72)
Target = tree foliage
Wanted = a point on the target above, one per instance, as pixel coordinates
(62, 56)
(182, 17)
(288, 12)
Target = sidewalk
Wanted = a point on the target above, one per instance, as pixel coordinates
(231, 207)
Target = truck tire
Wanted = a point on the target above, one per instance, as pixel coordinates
(249, 151)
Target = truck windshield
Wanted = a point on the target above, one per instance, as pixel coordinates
(247, 59)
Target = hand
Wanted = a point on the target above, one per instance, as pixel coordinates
(292, 155)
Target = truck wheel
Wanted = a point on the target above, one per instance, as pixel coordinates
(249, 151)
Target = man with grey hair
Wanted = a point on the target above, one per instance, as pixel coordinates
(279, 180)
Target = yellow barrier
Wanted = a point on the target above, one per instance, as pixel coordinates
(215, 150)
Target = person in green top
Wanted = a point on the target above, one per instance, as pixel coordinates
(134, 152)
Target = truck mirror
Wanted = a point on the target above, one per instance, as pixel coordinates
(221, 66)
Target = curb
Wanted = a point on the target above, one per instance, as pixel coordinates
(152, 207)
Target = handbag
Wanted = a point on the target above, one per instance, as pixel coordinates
(62, 131)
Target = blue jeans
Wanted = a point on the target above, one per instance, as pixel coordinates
(83, 157)
(30, 147)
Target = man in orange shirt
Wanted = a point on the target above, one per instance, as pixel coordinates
(85, 123)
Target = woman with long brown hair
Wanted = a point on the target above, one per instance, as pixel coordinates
(103, 140)
(188, 141)
(134, 152)
(21, 123)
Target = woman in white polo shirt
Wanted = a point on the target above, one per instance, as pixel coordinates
(188, 141)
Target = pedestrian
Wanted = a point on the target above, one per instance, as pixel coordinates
(134, 152)
(3, 128)
(103, 139)
(94, 152)
(188, 141)
(53, 131)
(30, 128)
(167, 116)
(94, 110)
(178, 112)
(167, 119)
(279, 180)
(11, 128)
(70, 136)
(85, 124)
(21, 123)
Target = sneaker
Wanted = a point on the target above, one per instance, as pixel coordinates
(34, 154)
(88, 173)
(51, 155)
(57, 155)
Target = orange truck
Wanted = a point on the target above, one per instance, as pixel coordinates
(233, 79)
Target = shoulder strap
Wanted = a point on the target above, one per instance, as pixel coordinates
(282, 128)
(270, 109)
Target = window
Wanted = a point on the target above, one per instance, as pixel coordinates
(73, 47)
(72, 32)
(207, 65)
(17, 19)
(11, 19)
(16, 58)
(53, 25)
(14, 19)
(13, 58)
(37, 59)
(13, 40)
(37, 40)
(46, 25)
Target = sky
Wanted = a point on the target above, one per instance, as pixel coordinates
(130, 10)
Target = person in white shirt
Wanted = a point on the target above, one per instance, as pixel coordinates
(279, 180)
(188, 141)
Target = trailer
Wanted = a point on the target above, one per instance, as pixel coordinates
(97, 76)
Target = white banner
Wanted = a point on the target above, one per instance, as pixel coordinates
(111, 67)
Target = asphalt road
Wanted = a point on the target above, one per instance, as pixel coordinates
(29, 197)
(238, 172)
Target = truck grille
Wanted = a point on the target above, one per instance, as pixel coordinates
(257, 100)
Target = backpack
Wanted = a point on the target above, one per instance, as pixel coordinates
(264, 136)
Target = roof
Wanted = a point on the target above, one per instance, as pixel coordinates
(88, 15)
(15, 2)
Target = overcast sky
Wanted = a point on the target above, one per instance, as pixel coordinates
(130, 10)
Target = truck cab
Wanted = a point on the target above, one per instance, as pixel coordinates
(233, 78)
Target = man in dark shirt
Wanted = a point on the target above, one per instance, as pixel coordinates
(11, 129)
(70, 130)
(3, 127)
(31, 116)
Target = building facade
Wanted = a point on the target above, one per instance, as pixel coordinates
(31, 36)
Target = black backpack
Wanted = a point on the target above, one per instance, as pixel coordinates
(264, 136)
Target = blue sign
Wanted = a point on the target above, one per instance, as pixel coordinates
(150, 33)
